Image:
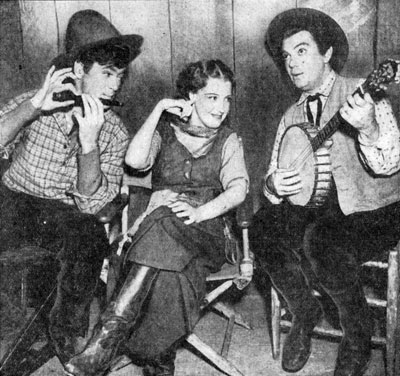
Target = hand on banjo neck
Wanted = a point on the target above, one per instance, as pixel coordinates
(304, 174)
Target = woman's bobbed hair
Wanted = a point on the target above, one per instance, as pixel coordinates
(195, 76)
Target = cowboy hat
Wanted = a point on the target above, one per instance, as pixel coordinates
(89, 29)
(311, 20)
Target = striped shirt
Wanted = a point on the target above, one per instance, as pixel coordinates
(44, 159)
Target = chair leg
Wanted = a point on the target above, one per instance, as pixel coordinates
(220, 362)
(21, 359)
(276, 323)
(228, 312)
(24, 284)
(228, 337)
(214, 294)
(392, 313)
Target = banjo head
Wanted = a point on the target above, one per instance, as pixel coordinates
(295, 151)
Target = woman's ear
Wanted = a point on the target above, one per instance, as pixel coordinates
(328, 55)
(78, 69)
(192, 97)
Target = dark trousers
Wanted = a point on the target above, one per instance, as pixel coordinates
(301, 248)
(78, 241)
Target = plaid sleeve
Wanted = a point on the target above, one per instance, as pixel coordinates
(113, 143)
(7, 150)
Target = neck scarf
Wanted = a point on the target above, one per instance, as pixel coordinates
(193, 130)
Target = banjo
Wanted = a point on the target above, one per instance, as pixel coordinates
(302, 146)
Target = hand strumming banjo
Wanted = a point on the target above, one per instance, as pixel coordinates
(301, 146)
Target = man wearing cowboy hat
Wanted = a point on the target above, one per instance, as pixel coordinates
(67, 164)
(323, 247)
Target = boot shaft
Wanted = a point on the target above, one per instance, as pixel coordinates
(127, 303)
(354, 313)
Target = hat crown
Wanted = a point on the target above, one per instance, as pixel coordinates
(86, 27)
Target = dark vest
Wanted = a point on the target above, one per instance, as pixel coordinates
(176, 169)
(357, 189)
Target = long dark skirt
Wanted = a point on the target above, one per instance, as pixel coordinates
(185, 254)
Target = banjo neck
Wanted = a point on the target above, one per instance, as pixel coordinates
(374, 85)
(326, 132)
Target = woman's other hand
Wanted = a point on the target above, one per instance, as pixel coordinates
(184, 210)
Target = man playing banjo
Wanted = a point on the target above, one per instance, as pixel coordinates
(321, 242)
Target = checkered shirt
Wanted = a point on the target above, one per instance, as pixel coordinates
(44, 159)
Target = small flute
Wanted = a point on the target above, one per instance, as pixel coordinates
(69, 95)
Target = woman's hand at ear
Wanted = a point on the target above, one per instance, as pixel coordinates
(180, 107)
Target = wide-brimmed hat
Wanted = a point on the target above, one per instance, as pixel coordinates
(89, 29)
(306, 19)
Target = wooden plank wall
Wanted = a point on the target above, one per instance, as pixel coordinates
(179, 31)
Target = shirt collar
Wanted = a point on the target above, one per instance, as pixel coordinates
(325, 89)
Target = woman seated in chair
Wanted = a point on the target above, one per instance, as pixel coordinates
(198, 175)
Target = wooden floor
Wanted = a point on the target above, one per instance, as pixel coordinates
(250, 350)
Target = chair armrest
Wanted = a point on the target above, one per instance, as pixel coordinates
(244, 213)
(113, 208)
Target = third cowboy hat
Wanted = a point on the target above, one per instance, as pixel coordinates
(307, 19)
(88, 29)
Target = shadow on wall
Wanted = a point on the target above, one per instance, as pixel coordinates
(139, 100)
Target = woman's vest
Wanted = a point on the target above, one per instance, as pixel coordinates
(176, 169)
(357, 189)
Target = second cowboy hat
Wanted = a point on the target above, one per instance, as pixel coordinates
(307, 19)
(89, 29)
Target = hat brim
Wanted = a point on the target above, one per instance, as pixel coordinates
(303, 18)
(132, 41)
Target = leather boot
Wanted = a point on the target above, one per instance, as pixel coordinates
(69, 316)
(297, 346)
(355, 348)
(306, 313)
(115, 324)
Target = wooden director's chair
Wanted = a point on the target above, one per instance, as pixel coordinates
(238, 274)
